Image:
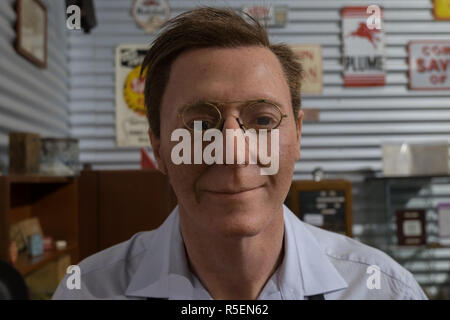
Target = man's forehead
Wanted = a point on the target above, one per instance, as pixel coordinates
(227, 60)
(224, 74)
(227, 74)
(227, 51)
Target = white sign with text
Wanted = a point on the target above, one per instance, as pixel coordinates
(429, 65)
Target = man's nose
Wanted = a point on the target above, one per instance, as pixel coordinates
(230, 122)
(230, 144)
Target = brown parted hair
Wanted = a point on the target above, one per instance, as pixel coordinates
(207, 27)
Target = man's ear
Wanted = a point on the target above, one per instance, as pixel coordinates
(299, 122)
(156, 146)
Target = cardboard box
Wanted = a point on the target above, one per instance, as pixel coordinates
(410, 159)
(24, 153)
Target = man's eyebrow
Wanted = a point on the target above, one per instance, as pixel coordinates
(218, 103)
(199, 102)
(196, 103)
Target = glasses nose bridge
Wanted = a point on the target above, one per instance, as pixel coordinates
(235, 117)
(235, 123)
(225, 106)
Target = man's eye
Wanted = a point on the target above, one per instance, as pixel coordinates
(263, 121)
(207, 125)
(204, 124)
(261, 115)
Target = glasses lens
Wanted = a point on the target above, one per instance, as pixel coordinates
(205, 113)
(261, 115)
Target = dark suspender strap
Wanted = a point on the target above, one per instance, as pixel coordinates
(316, 297)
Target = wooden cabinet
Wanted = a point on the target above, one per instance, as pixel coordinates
(54, 201)
(114, 205)
(91, 212)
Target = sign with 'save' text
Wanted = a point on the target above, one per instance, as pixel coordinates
(429, 65)
(363, 50)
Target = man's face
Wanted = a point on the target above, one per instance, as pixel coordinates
(229, 200)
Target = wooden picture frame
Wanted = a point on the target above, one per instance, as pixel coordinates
(31, 31)
(411, 227)
(341, 220)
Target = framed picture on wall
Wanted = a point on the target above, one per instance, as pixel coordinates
(411, 227)
(31, 29)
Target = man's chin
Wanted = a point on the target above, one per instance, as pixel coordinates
(237, 231)
(239, 223)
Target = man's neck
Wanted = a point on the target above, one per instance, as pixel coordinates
(236, 268)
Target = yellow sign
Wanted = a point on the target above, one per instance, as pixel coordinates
(133, 91)
(442, 9)
(131, 120)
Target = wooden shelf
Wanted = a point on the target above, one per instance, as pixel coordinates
(38, 179)
(26, 264)
(52, 200)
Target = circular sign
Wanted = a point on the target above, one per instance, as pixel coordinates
(150, 14)
(133, 91)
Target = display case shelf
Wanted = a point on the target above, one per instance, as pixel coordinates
(26, 264)
(53, 200)
(416, 193)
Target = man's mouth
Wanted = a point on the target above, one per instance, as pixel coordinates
(230, 192)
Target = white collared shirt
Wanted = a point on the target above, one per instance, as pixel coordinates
(153, 264)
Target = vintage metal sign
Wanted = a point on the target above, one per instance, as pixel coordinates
(411, 227)
(442, 9)
(310, 56)
(131, 121)
(364, 56)
(268, 16)
(150, 14)
(429, 65)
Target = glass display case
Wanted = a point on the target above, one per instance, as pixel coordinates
(416, 228)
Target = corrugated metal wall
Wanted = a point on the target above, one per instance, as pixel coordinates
(353, 122)
(33, 99)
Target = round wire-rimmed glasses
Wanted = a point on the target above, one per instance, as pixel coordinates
(255, 114)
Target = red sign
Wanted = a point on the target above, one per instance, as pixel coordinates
(363, 48)
(364, 32)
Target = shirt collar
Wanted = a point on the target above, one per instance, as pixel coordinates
(305, 269)
(163, 271)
